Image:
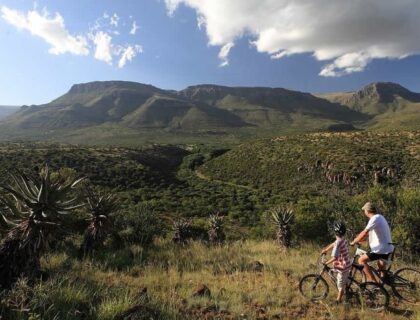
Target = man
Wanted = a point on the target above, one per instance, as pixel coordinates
(379, 240)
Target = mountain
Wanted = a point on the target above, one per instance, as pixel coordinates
(390, 104)
(269, 106)
(121, 107)
(205, 107)
(130, 104)
(5, 111)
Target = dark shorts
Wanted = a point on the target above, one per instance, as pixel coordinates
(376, 256)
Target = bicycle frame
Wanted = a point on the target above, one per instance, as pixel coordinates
(326, 269)
(380, 274)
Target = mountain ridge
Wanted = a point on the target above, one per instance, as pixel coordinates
(214, 107)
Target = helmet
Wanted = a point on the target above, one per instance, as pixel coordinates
(340, 228)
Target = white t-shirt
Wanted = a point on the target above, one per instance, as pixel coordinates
(379, 235)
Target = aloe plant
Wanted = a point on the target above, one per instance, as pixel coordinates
(100, 207)
(216, 233)
(282, 218)
(33, 210)
(181, 231)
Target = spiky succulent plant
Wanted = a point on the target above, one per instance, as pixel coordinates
(34, 208)
(216, 232)
(181, 231)
(282, 218)
(100, 206)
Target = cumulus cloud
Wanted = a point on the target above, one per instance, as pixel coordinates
(128, 53)
(347, 35)
(134, 28)
(50, 28)
(103, 47)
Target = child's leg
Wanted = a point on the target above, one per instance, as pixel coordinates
(341, 284)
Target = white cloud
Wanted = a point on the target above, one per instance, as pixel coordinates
(134, 28)
(50, 28)
(128, 53)
(103, 47)
(348, 35)
(224, 54)
(113, 21)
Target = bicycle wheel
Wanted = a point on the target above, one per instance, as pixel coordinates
(358, 276)
(406, 284)
(373, 296)
(313, 287)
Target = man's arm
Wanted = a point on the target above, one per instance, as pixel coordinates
(362, 235)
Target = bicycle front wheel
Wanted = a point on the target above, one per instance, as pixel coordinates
(373, 296)
(313, 287)
(406, 284)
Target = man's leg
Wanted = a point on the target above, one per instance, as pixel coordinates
(363, 260)
(381, 267)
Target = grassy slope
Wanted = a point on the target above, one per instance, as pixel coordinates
(101, 290)
(398, 114)
(272, 164)
(110, 167)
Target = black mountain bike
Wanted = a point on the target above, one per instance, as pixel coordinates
(368, 294)
(404, 282)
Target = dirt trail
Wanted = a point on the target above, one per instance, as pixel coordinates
(204, 177)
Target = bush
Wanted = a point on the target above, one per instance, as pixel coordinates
(138, 225)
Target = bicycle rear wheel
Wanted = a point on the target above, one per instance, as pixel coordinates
(313, 287)
(406, 284)
(372, 296)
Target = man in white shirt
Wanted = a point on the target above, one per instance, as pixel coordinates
(380, 242)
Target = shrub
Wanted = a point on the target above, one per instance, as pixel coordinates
(138, 225)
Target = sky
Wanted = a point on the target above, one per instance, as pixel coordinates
(306, 45)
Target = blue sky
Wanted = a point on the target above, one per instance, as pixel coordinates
(186, 42)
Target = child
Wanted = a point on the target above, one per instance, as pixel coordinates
(340, 258)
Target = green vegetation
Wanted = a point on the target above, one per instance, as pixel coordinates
(154, 213)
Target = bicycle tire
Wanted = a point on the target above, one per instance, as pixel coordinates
(359, 276)
(309, 283)
(373, 296)
(406, 285)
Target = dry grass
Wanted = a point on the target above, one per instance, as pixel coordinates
(170, 274)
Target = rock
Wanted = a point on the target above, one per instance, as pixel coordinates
(257, 266)
(201, 291)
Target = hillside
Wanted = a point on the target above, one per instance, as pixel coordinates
(130, 113)
(117, 168)
(391, 105)
(130, 104)
(5, 111)
(320, 163)
(269, 106)
(135, 105)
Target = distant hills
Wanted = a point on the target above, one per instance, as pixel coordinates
(203, 108)
(7, 110)
(389, 104)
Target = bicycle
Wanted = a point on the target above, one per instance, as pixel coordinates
(404, 282)
(370, 294)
